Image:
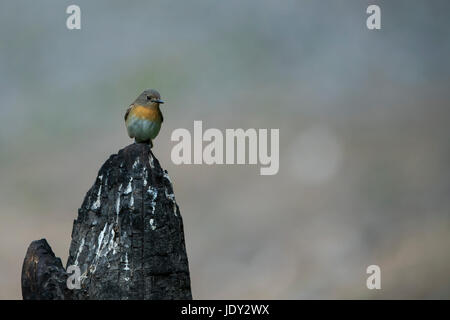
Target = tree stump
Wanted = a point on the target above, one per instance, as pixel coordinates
(127, 241)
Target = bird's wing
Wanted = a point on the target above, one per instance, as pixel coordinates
(162, 118)
(128, 111)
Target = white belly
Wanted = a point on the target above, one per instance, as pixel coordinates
(142, 129)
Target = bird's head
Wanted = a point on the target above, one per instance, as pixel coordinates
(149, 97)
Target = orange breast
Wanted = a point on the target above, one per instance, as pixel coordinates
(141, 112)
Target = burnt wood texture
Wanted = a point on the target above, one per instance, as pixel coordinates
(128, 239)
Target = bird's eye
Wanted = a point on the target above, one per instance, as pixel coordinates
(149, 98)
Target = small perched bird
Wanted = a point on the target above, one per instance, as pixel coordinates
(143, 118)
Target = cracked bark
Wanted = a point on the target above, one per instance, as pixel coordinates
(128, 239)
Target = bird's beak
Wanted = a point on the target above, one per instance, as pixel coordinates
(158, 101)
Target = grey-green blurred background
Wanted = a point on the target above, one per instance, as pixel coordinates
(364, 141)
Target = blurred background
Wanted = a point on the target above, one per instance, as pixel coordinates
(364, 140)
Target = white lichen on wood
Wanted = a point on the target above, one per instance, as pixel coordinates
(136, 163)
(112, 245)
(131, 201)
(152, 224)
(118, 204)
(129, 187)
(99, 242)
(150, 161)
(153, 192)
(105, 244)
(144, 174)
(126, 268)
(80, 249)
(97, 202)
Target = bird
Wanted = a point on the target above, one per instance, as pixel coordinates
(143, 118)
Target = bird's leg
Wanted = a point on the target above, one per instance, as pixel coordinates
(149, 142)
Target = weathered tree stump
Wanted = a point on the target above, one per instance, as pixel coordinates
(128, 239)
